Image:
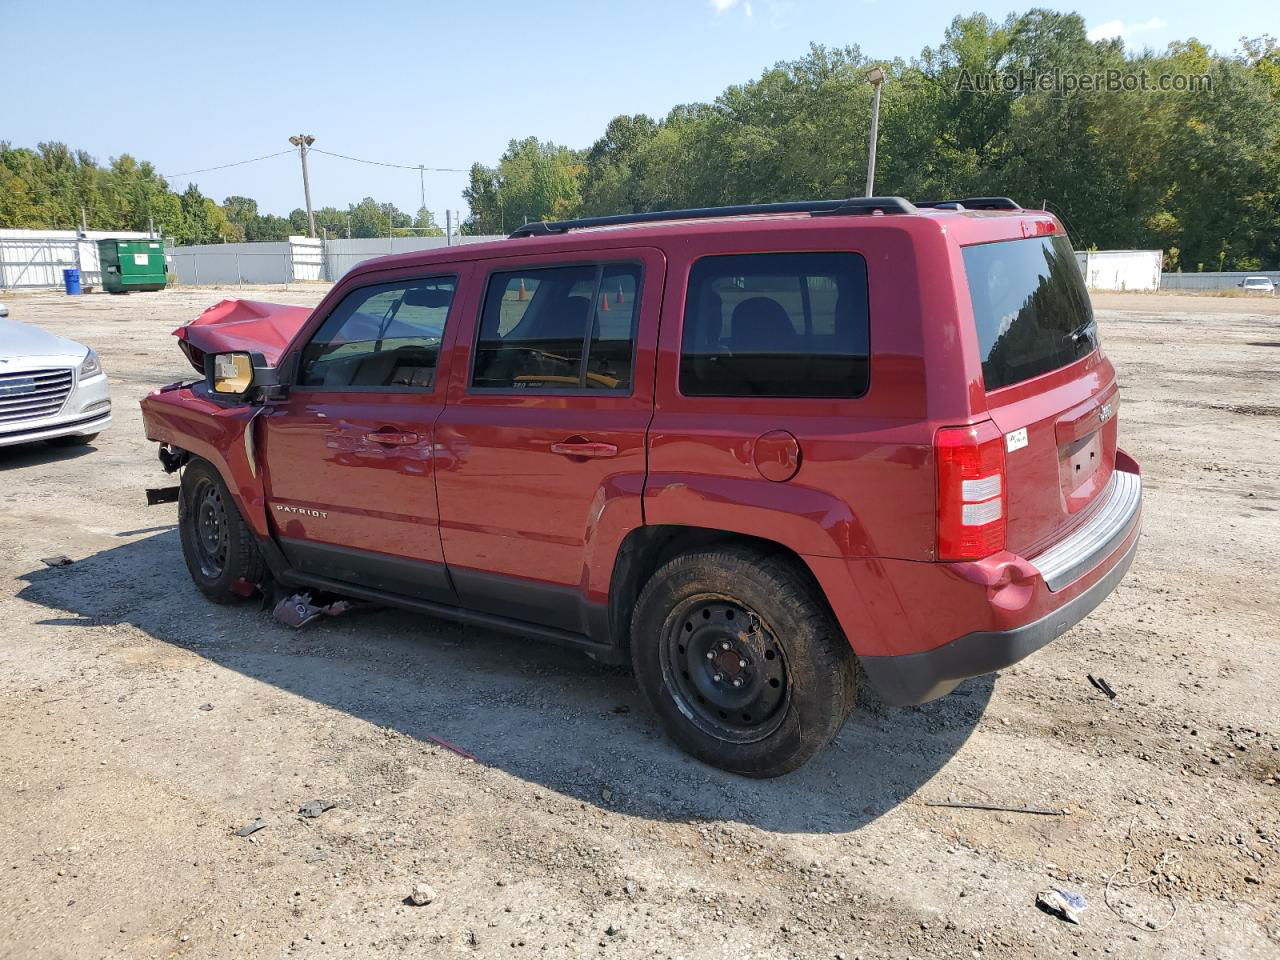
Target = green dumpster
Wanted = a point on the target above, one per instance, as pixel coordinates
(131, 265)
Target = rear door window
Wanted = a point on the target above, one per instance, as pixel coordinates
(776, 325)
(1031, 308)
(568, 328)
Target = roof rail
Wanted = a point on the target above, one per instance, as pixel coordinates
(939, 204)
(830, 208)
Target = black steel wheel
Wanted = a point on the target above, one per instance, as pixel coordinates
(209, 517)
(725, 669)
(736, 651)
(218, 546)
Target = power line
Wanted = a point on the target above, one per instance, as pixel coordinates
(238, 163)
(398, 166)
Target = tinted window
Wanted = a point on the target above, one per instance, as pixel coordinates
(1031, 308)
(559, 328)
(776, 325)
(382, 336)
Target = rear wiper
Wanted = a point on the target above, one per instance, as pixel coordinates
(1082, 331)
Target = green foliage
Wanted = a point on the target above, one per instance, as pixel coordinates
(533, 181)
(1195, 173)
(50, 186)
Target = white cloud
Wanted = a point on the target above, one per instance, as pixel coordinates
(724, 5)
(1118, 28)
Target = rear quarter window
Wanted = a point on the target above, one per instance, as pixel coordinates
(776, 325)
(1031, 308)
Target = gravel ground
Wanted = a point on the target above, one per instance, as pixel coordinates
(141, 727)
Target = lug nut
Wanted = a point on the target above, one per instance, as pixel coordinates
(742, 663)
(737, 682)
(718, 677)
(724, 644)
(711, 655)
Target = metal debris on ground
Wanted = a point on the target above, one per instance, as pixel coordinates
(453, 748)
(58, 561)
(316, 807)
(1062, 903)
(998, 807)
(1101, 686)
(206, 707)
(298, 610)
(157, 495)
(251, 828)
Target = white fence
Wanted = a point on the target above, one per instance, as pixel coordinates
(298, 259)
(1121, 269)
(35, 259)
(1214, 281)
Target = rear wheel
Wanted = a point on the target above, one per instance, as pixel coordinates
(217, 544)
(739, 657)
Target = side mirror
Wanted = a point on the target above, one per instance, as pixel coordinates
(238, 375)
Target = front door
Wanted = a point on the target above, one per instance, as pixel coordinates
(349, 454)
(542, 444)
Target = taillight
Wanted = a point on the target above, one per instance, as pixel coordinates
(971, 491)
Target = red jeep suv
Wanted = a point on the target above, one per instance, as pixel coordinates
(749, 449)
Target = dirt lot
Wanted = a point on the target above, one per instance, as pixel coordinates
(140, 726)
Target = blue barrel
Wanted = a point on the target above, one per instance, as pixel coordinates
(71, 280)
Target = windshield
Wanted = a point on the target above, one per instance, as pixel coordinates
(1030, 306)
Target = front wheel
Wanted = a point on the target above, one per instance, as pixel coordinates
(738, 655)
(217, 544)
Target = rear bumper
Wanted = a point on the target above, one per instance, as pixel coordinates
(921, 628)
(920, 677)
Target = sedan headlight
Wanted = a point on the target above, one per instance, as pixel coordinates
(90, 367)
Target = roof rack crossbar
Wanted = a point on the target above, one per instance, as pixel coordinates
(851, 206)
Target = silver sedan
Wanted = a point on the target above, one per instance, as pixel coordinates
(51, 388)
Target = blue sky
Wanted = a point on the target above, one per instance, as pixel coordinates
(194, 84)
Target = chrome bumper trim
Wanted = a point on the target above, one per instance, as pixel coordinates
(1070, 559)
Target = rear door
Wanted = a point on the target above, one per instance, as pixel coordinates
(349, 453)
(1049, 388)
(544, 434)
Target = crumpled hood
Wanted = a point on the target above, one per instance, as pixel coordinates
(249, 325)
(24, 340)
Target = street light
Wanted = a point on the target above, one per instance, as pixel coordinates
(302, 141)
(875, 77)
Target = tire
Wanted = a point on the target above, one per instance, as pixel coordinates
(217, 544)
(796, 668)
(74, 440)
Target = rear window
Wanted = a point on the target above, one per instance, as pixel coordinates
(776, 325)
(1030, 306)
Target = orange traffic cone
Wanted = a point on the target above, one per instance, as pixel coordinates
(604, 303)
(523, 294)
(619, 294)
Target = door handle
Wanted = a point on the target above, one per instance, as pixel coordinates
(392, 439)
(584, 448)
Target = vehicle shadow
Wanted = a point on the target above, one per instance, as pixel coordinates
(548, 715)
(38, 453)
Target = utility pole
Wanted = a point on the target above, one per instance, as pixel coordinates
(875, 77)
(302, 141)
(448, 228)
(422, 187)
